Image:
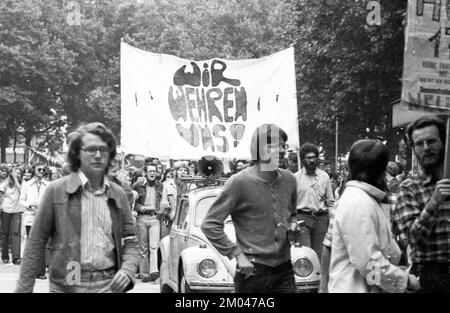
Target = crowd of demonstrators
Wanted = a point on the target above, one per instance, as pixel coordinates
(373, 216)
(21, 187)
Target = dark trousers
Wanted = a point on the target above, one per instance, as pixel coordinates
(10, 228)
(313, 231)
(434, 277)
(166, 226)
(267, 279)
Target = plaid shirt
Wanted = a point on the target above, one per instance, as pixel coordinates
(391, 199)
(422, 223)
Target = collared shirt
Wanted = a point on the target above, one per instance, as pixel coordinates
(10, 201)
(97, 243)
(422, 223)
(257, 208)
(31, 193)
(364, 254)
(312, 191)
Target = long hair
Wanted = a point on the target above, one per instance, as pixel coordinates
(265, 132)
(73, 155)
(367, 162)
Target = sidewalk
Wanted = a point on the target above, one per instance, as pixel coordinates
(9, 273)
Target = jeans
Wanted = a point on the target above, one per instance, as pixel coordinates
(313, 231)
(267, 279)
(148, 236)
(11, 225)
(434, 277)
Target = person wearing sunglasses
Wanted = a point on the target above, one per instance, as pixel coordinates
(87, 218)
(30, 196)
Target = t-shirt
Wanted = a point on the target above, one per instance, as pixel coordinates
(10, 201)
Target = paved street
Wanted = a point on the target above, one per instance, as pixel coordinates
(10, 272)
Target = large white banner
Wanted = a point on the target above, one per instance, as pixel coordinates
(184, 109)
(426, 70)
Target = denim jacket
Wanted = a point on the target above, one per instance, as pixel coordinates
(141, 189)
(59, 218)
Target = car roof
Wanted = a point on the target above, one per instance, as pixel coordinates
(203, 192)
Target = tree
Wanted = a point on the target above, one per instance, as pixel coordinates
(347, 70)
(33, 66)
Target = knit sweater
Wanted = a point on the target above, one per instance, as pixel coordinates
(257, 207)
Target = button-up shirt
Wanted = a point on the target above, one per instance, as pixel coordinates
(312, 191)
(97, 243)
(424, 224)
(31, 194)
(257, 208)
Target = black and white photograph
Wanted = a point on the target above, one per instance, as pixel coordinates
(242, 149)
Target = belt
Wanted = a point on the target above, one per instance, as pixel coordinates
(313, 213)
(97, 275)
(151, 213)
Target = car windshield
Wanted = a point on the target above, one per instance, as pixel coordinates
(202, 208)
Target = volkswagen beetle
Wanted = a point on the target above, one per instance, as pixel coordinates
(188, 262)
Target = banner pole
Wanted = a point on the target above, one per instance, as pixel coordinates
(447, 154)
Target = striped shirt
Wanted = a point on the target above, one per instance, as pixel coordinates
(424, 224)
(97, 243)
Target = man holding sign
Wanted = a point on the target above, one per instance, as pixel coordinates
(422, 214)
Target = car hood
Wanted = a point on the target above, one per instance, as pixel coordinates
(229, 231)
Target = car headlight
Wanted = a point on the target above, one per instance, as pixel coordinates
(303, 267)
(207, 268)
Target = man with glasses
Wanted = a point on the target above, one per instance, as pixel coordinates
(147, 207)
(30, 196)
(422, 213)
(88, 220)
(314, 198)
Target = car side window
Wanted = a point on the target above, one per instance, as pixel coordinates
(184, 207)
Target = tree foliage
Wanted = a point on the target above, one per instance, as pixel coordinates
(53, 72)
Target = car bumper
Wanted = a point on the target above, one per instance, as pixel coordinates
(308, 287)
(211, 287)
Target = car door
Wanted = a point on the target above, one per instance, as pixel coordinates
(177, 237)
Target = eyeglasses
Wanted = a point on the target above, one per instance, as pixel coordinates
(41, 169)
(92, 150)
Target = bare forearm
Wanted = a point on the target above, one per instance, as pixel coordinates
(325, 264)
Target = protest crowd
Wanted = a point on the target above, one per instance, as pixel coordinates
(374, 212)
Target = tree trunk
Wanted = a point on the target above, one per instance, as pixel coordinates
(3, 145)
(14, 147)
(27, 143)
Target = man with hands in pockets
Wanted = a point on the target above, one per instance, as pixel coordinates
(260, 199)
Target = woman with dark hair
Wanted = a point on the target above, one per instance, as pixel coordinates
(364, 254)
(11, 216)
